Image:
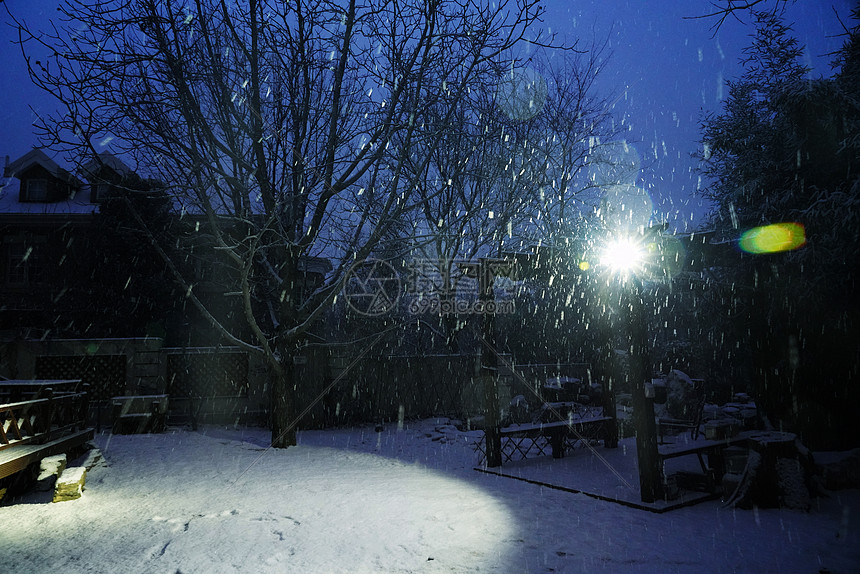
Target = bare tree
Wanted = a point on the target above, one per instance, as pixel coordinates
(264, 118)
(721, 11)
(509, 171)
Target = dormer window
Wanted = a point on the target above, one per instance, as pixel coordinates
(37, 190)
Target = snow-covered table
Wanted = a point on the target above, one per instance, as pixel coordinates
(521, 441)
(713, 449)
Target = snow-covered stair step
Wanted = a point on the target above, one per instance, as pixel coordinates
(50, 468)
(70, 485)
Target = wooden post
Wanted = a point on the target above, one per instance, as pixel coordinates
(489, 369)
(47, 414)
(609, 410)
(84, 412)
(650, 483)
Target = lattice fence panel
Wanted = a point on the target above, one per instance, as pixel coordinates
(104, 373)
(207, 374)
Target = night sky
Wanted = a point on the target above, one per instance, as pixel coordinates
(664, 71)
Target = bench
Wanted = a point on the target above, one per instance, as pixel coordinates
(714, 468)
(521, 441)
(37, 428)
(137, 414)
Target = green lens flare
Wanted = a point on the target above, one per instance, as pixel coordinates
(774, 238)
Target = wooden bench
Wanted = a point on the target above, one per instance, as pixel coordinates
(714, 468)
(521, 441)
(34, 429)
(137, 414)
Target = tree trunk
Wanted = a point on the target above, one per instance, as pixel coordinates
(283, 405)
(777, 474)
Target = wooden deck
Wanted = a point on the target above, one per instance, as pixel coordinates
(49, 424)
(15, 459)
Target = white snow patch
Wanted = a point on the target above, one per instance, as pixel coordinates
(354, 500)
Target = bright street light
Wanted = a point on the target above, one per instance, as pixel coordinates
(627, 257)
(623, 256)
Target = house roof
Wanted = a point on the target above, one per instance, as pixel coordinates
(37, 157)
(78, 204)
(108, 160)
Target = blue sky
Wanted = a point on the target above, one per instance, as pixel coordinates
(672, 70)
(666, 71)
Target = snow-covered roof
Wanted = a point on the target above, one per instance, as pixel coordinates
(37, 157)
(78, 204)
(108, 160)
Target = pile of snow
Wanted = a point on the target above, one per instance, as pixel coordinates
(401, 500)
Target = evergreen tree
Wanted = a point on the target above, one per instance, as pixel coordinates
(784, 149)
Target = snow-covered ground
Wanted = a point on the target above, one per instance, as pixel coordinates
(403, 500)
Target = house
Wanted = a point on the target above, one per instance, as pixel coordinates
(83, 293)
(64, 245)
(104, 175)
(43, 207)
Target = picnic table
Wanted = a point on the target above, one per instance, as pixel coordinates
(713, 468)
(558, 428)
(134, 414)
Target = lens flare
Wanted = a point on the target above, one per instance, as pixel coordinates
(623, 255)
(774, 238)
(626, 208)
(521, 93)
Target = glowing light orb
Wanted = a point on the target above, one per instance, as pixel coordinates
(668, 257)
(521, 93)
(584, 265)
(774, 238)
(623, 255)
(614, 163)
(626, 207)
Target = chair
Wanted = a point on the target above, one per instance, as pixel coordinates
(693, 423)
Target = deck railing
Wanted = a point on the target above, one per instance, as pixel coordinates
(42, 419)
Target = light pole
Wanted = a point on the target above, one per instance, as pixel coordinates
(625, 258)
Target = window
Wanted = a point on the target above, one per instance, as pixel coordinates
(21, 265)
(16, 263)
(37, 190)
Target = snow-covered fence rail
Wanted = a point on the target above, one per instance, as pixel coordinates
(33, 429)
